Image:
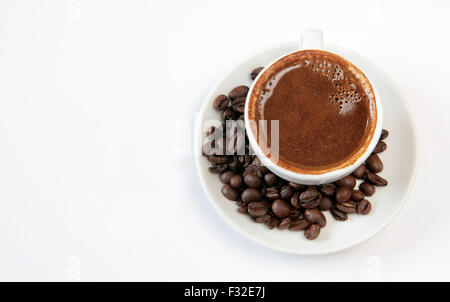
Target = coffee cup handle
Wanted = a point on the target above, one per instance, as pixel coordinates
(311, 39)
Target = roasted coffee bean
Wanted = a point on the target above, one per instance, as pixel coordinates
(367, 188)
(218, 168)
(226, 176)
(211, 130)
(240, 203)
(298, 224)
(255, 72)
(239, 104)
(357, 195)
(251, 194)
(359, 172)
(285, 223)
(375, 179)
(257, 162)
(281, 208)
(236, 181)
(252, 169)
(384, 134)
(229, 114)
(311, 198)
(294, 200)
(262, 219)
(242, 209)
(374, 163)
(338, 215)
(326, 203)
(328, 189)
(270, 179)
(312, 232)
(348, 207)
(257, 208)
(217, 159)
(343, 194)
(315, 216)
(233, 165)
(296, 186)
(221, 102)
(347, 181)
(380, 147)
(253, 181)
(230, 193)
(237, 92)
(295, 213)
(286, 192)
(273, 222)
(364, 207)
(272, 193)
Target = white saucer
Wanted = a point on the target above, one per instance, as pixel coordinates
(400, 162)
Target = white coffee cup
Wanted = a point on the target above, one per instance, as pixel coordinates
(313, 39)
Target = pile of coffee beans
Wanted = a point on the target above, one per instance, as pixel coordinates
(276, 202)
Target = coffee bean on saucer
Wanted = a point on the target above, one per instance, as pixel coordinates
(384, 134)
(374, 163)
(273, 222)
(236, 181)
(261, 219)
(286, 192)
(218, 168)
(295, 200)
(270, 179)
(257, 208)
(328, 189)
(237, 92)
(229, 114)
(281, 208)
(338, 215)
(255, 72)
(357, 195)
(375, 179)
(298, 224)
(315, 216)
(221, 102)
(225, 177)
(252, 169)
(230, 193)
(251, 194)
(272, 193)
(218, 159)
(364, 207)
(367, 188)
(285, 223)
(295, 213)
(312, 232)
(253, 181)
(347, 181)
(359, 172)
(242, 209)
(343, 194)
(239, 104)
(326, 203)
(296, 186)
(380, 147)
(347, 207)
(311, 198)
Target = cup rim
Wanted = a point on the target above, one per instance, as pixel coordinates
(320, 177)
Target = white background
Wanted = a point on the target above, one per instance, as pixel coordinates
(91, 97)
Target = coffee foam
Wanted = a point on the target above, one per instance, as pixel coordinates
(346, 94)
